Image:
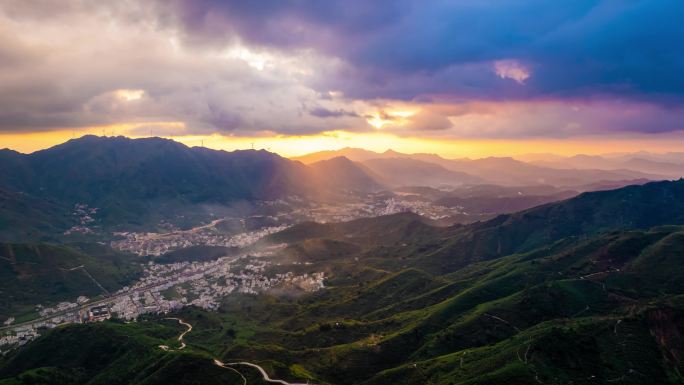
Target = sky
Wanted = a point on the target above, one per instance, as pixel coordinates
(459, 77)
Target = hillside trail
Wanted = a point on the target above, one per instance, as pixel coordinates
(228, 365)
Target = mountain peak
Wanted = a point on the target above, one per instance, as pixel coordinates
(337, 159)
(393, 153)
(86, 141)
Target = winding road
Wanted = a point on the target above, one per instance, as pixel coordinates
(260, 369)
(180, 337)
(228, 365)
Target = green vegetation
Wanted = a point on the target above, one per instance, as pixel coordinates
(571, 312)
(28, 218)
(32, 274)
(111, 353)
(566, 308)
(586, 291)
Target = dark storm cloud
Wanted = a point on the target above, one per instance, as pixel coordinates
(402, 49)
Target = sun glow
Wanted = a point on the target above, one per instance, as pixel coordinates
(129, 95)
(255, 60)
(384, 118)
(379, 141)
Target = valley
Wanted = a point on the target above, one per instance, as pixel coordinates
(382, 283)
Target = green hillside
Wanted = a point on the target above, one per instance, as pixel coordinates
(560, 305)
(575, 311)
(32, 274)
(440, 250)
(112, 354)
(585, 291)
(24, 218)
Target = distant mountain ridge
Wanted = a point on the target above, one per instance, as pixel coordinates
(670, 164)
(498, 170)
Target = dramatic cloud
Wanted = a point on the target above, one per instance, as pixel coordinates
(91, 64)
(499, 68)
(560, 119)
(579, 47)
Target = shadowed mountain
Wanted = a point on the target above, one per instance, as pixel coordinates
(135, 183)
(25, 217)
(632, 207)
(140, 181)
(96, 169)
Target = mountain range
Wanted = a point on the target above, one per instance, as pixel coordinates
(496, 170)
(670, 165)
(102, 170)
(137, 183)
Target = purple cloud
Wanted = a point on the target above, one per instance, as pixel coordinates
(571, 48)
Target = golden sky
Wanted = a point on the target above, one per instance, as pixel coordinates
(290, 146)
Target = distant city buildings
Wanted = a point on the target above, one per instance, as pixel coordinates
(168, 287)
(164, 288)
(157, 244)
(98, 313)
(84, 216)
